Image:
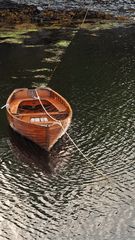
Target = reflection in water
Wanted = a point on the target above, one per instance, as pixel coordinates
(30, 153)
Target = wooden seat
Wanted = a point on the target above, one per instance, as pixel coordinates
(36, 114)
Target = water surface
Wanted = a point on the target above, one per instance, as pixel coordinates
(61, 195)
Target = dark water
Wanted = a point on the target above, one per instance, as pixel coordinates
(60, 195)
(117, 7)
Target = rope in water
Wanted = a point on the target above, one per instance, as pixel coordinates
(113, 183)
(104, 175)
(79, 150)
(59, 122)
(78, 28)
(110, 180)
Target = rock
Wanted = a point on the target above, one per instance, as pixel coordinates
(39, 8)
(13, 13)
(8, 4)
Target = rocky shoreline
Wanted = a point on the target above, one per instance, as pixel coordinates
(12, 13)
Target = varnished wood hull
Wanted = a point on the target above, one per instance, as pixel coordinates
(45, 136)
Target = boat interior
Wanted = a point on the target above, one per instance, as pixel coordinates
(31, 110)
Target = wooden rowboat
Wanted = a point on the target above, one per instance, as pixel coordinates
(41, 115)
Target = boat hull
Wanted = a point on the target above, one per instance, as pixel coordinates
(45, 135)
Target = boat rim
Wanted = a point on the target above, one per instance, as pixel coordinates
(48, 88)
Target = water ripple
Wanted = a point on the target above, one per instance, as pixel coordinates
(61, 195)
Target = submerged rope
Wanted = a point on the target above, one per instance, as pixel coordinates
(78, 28)
(110, 180)
(104, 175)
(84, 156)
(59, 122)
(85, 16)
(79, 150)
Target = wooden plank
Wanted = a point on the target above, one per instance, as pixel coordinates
(32, 114)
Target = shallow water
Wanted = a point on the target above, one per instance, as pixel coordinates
(61, 195)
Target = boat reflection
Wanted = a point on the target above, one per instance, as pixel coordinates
(30, 153)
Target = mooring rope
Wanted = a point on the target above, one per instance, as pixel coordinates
(104, 175)
(44, 107)
(79, 150)
(59, 122)
(77, 30)
(85, 16)
(113, 183)
(5, 105)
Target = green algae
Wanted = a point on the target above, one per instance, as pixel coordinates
(39, 70)
(39, 84)
(102, 25)
(33, 46)
(15, 36)
(63, 43)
